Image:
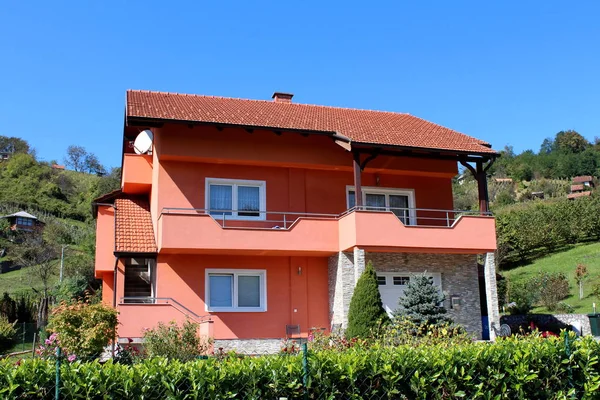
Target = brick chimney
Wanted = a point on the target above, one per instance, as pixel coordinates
(282, 97)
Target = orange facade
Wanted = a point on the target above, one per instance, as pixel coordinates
(303, 176)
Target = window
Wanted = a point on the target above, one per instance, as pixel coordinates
(139, 284)
(238, 290)
(381, 280)
(235, 199)
(24, 221)
(401, 280)
(399, 201)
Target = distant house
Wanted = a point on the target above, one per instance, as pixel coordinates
(537, 195)
(503, 180)
(586, 180)
(5, 155)
(23, 221)
(56, 166)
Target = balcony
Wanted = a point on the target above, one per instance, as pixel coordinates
(137, 173)
(200, 231)
(141, 313)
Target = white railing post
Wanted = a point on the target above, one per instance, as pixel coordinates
(223, 220)
(284, 222)
(447, 219)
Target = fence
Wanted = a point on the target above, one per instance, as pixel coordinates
(25, 338)
(535, 368)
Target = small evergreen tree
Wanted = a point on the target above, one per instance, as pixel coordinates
(366, 311)
(420, 303)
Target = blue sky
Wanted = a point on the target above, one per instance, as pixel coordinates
(510, 72)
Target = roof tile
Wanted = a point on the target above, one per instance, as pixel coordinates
(133, 231)
(361, 126)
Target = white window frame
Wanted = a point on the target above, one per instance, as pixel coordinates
(410, 193)
(261, 273)
(262, 194)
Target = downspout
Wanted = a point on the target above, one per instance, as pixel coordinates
(115, 305)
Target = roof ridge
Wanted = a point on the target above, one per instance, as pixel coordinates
(264, 101)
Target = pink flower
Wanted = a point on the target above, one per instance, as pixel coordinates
(130, 340)
(72, 358)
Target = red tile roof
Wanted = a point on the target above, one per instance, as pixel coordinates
(360, 126)
(582, 179)
(576, 188)
(580, 194)
(133, 230)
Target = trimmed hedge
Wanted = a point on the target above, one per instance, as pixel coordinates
(531, 368)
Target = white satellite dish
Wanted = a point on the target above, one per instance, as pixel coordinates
(143, 142)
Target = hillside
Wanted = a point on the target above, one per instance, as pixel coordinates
(566, 262)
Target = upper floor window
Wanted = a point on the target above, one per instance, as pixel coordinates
(236, 199)
(24, 221)
(399, 201)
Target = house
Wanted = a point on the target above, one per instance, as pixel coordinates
(255, 218)
(23, 221)
(581, 188)
(586, 181)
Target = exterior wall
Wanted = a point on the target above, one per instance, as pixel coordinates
(296, 294)
(302, 174)
(248, 346)
(458, 271)
(105, 240)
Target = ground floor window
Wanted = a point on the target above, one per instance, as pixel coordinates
(140, 281)
(392, 285)
(239, 290)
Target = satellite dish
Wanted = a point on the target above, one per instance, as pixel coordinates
(143, 142)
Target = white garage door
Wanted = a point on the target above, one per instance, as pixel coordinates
(392, 285)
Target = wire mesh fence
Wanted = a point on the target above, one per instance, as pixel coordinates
(564, 368)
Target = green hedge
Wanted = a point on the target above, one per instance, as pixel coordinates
(532, 368)
(538, 225)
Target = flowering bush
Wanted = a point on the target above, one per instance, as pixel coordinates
(49, 350)
(318, 339)
(129, 353)
(84, 329)
(289, 346)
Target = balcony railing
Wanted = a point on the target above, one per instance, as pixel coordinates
(164, 300)
(285, 220)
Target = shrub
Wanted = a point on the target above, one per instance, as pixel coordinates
(7, 334)
(175, 342)
(366, 311)
(83, 329)
(421, 303)
(551, 288)
(565, 308)
(403, 331)
(521, 297)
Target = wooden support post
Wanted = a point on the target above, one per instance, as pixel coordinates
(357, 181)
(484, 206)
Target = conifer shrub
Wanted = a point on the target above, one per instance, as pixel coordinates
(7, 334)
(366, 313)
(421, 303)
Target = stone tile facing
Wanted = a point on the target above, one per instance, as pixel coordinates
(248, 346)
(459, 278)
(342, 277)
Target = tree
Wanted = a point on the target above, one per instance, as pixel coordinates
(570, 141)
(366, 311)
(547, 146)
(13, 145)
(421, 302)
(93, 166)
(40, 257)
(581, 274)
(76, 156)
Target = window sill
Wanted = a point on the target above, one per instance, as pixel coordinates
(232, 310)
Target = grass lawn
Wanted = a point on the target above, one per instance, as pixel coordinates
(21, 280)
(566, 262)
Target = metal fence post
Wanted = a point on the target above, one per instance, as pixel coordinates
(305, 369)
(568, 353)
(57, 382)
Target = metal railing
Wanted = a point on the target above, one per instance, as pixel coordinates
(132, 300)
(267, 219)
